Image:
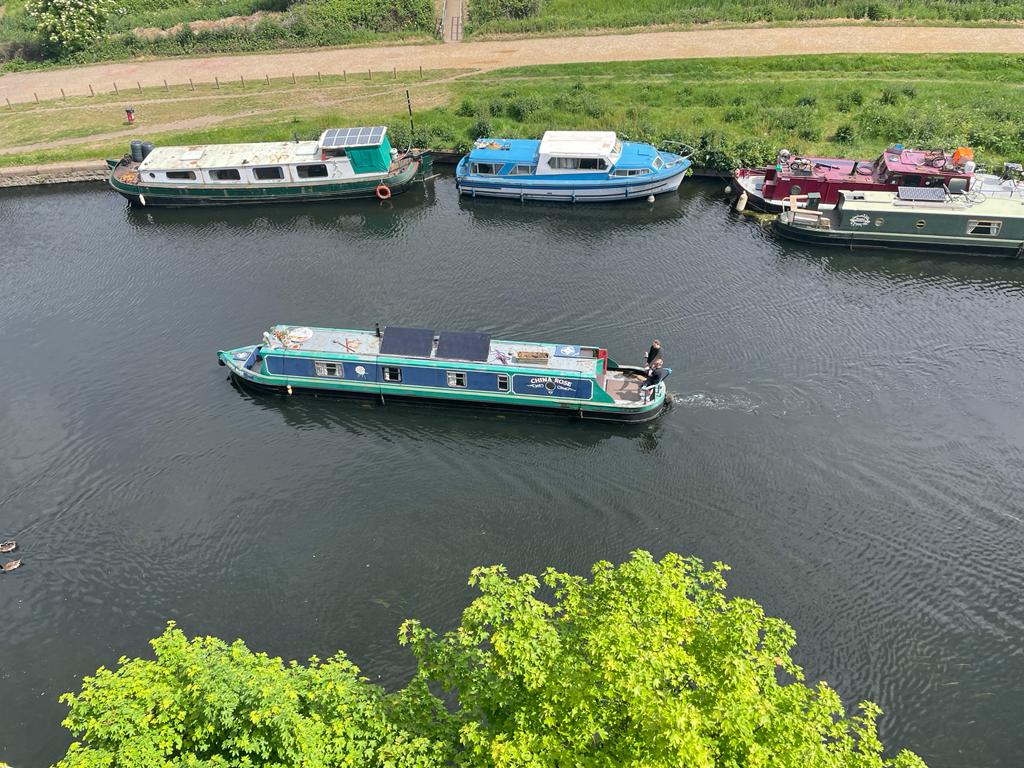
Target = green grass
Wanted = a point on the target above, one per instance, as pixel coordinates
(567, 15)
(733, 111)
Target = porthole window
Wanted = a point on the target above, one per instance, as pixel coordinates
(920, 224)
(549, 385)
(795, 189)
(879, 221)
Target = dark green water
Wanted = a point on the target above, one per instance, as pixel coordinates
(848, 433)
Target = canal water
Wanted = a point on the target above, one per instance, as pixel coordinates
(847, 432)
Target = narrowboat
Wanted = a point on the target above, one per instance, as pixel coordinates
(341, 163)
(768, 189)
(569, 166)
(913, 218)
(445, 368)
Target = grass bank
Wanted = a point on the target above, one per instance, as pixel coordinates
(733, 111)
(556, 16)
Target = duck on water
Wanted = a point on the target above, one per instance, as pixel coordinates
(341, 163)
(448, 368)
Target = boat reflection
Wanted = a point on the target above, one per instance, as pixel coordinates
(464, 428)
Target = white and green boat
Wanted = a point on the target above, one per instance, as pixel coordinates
(930, 219)
(341, 163)
(445, 368)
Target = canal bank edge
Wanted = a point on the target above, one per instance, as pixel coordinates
(54, 173)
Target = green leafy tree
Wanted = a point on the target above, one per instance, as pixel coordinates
(204, 703)
(646, 664)
(66, 26)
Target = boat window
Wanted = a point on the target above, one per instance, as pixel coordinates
(503, 382)
(920, 224)
(795, 189)
(324, 368)
(487, 169)
(564, 163)
(658, 162)
(269, 173)
(392, 373)
(630, 172)
(593, 164)
(190, 175)
(985, 228)
(456, 378)
(225, 174)
(318, 171)
(523, 170)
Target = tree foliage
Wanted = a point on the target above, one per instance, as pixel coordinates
(205, 704)
(645, 664)
(66, 26)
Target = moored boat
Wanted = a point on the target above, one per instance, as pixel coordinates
(569, 166)
(446, 368)
(769, 188)
(341, 163)
(914, 218)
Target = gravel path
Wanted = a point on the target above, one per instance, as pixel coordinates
(495, 54)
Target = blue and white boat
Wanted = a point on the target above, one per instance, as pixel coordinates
(569, 166)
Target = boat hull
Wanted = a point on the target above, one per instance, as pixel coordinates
(561, 190)
(877, 241)
(164, 196)
(564, 410)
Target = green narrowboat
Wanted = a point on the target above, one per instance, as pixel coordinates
(446, 368)
(341, 163)
(913, 218)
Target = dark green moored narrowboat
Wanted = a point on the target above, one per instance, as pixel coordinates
(343, 162)
(914, 218)
(446, 368)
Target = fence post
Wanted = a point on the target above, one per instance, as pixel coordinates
(8, 104)
(91, 91)
(63, 95)
(421, 71)
(293, 78)
(344, 75)
(217, 80)
(140, 87)
(369, 74)
(36, 95)
(165, 85)
(265, 75)
(394, 73)
(116, 92)
(318, 78)
(242, 78)
(191, 84)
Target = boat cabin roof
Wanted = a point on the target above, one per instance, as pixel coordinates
(916, 161)
(461, 346)
(954, 204)
(578, 143)
(504, 151)
(210, 156)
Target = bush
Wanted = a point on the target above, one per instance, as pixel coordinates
(66, 26)
(493, 10)
(844, 134)
(481, 129)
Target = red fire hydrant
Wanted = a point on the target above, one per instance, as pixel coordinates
(130, 114)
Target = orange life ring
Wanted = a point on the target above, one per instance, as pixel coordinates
(383, 192)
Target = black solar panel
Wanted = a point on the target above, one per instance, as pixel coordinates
(343, 138)
(414, 342)
(464, 345)
(922, 194)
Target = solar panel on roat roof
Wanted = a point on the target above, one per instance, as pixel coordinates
(464, 345)
(414, 342)
(922, 194)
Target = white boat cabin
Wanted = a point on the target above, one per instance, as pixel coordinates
(574, 151)
(339, 154)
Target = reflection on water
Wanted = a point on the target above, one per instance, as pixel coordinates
(846, 431)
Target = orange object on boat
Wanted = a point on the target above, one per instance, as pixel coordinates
(962, 155)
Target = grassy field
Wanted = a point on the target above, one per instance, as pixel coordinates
(733, 111)
(493, 16)
(135, 31)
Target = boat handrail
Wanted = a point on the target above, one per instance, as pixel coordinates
(685, 149)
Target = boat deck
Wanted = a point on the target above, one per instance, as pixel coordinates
(624, 387)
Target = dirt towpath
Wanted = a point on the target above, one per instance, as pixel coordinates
(495, 54)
